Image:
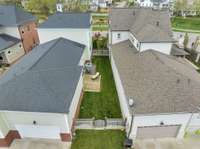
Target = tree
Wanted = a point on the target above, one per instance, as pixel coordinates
(186, 40)
(15, 2)
(196, 5)
(180, 6)
(45, 7)
(76, 5)
(196, 43)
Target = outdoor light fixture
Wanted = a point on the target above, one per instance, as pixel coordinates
(34, 123)
(161, 123)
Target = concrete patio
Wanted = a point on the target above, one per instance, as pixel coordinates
(91, 85)
(38, 144)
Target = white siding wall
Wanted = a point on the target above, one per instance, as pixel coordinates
(124, 35)
(194, 123)
(82, 36)
(13, 31)
(4, 128)
(27, 118)
(161, 47)
(15, 52)
(74, 104)
(120, 89)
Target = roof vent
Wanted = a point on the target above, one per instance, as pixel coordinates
(189, 81)
(178, 81)
(131, 102)
(157, 23)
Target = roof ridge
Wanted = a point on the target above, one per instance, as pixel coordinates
(45, 53)
(154, 53)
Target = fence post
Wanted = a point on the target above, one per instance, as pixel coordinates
(105, 121)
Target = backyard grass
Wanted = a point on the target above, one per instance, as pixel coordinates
(188, 23)
(101, 28)
(105, 103)
(98, 139)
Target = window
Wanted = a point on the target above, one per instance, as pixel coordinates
(22, 31)
(9, 52)
(1, 58)
(118, 35)
(20, 45)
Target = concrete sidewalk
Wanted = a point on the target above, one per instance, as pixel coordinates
(168, 144)
(38, 144)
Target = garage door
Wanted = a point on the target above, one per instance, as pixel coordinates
(37, 131)
(157, 132)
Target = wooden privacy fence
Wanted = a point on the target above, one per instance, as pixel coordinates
(100, 124)
(100, 52)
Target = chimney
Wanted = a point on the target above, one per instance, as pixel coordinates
(157, 23)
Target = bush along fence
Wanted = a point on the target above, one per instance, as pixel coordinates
(100, 124)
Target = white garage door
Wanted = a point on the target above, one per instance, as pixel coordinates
(157, 132)
(37, 131)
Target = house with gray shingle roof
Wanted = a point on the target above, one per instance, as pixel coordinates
(41, 93)
(16, 22)
(145, 27)
(72, 25)
(159, 93)
(10, 49)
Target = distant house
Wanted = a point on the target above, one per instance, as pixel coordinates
(11, 49)
(146, 28)
(19, 24)
(158, 93)
(73, 26)
(155, 3)
(41, 94)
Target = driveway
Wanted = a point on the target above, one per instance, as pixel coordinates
(168, 144)
(38, 144)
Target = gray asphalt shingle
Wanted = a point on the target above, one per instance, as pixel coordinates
(44, 80)
(7, 41)
(158, 83)
(146, 24)
(11, 15)
(67, 20)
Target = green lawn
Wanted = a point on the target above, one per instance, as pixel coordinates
(105, 103)
(101, 28)
(188, 23)
(98, 139)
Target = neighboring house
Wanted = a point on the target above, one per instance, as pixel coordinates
(20, 24)
(41, 93)
(11, 49)
(144, 27)
(95, 4)
(164, 90)
(154, 3)
(73, 26)
(158, 93)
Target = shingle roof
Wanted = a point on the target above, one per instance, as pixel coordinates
(158, 83)
(146, 24)
(45, 80)
(12, 16)
(7, 41)
(67, 20)
(176, 51)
